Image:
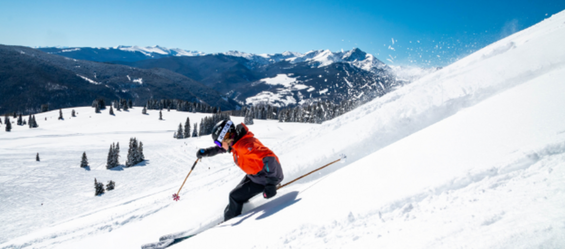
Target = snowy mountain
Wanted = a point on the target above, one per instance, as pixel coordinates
(355, 57)
(317, 58)
(118, 53)
(151, 51)
(470, 156)
(263, 59)
(315, 76)
(320, 76)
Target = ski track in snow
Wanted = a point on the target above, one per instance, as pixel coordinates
(449, 200)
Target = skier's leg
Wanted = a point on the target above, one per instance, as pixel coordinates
(240, 195)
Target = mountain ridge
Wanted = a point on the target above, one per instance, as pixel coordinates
(225, 80)
(321, 75)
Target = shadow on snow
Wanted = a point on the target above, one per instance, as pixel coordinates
(271, 207)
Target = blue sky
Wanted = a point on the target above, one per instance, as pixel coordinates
(421, 33)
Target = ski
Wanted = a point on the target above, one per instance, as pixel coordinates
(167, 241)
(158, 245)
(174, 238)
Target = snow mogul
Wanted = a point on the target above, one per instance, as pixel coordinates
(261, 166)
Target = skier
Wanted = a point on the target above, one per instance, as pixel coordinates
(261, 165)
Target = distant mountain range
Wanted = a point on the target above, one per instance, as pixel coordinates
(65, 77)
(119, 53)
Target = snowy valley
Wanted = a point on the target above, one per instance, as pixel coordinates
(470, 156)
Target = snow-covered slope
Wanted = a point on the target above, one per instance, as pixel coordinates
(471, 156)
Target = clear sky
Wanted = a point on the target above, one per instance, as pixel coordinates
(414, 32)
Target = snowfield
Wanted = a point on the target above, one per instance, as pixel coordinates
(470, 156)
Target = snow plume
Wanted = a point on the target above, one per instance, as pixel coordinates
(509, 28)
(410, 73)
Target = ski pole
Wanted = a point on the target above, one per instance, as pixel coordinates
(176, 196)
(288, 183)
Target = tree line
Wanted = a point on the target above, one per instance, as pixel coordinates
(20, 121)
(180, 105)
(312, 113)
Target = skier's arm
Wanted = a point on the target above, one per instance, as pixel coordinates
(273, 176)
(270, 187)
(208, 152)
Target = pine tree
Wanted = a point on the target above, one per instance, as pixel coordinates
(202, 126)
(160, 115)
(84, 161)
(110, 163)
(37, 157)
(109, 160)
(20, 120)
(8, 124)
(97, 110)
(98, 187)
(34, 124)
(116, 155)
(129, 159)
(140, 152)
(73, 114)
(144, 111)
(60, 114)
(248, 120)
(132, 153)
(101, 104)
(111, 185)
(44, 107)
(130, 104)
(111, 110)
(186, 133)
(180, 132)
(195, 130)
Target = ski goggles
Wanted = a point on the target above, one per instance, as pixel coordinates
(218, 143)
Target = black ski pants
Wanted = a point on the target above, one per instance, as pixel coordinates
(240, 195)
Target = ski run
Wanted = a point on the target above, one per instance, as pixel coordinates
(470, 156)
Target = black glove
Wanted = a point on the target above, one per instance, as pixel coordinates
(270, 191)
(202, 153)
(208, 152)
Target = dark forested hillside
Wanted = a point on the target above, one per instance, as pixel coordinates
(30, 78)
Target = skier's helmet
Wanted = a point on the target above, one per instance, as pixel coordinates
(221, 129)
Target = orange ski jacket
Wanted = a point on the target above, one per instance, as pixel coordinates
(249, 153)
